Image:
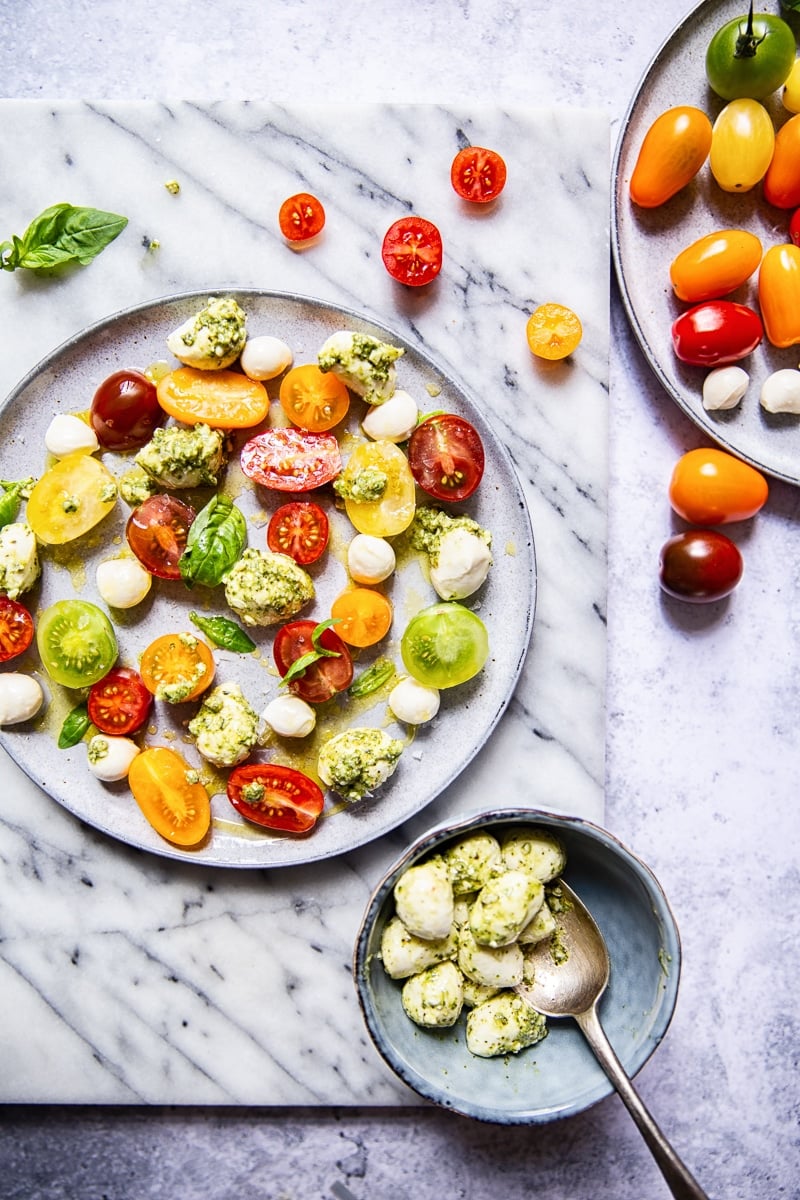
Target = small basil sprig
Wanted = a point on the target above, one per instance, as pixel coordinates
(216, 539)
(223, 632)
(74, 727)
(301, 664)
(373, 678)
(11, 497)
(62, 233)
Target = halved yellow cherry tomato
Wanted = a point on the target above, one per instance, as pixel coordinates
(782, 180)
(741, 145)
(715, 265)
(70, 498)
(312, 399)
(169, 795)
(779, 294)
(177, 667)
(222, 399)
(674, 149)
(394, 510)
(553, 331)
(363, 616)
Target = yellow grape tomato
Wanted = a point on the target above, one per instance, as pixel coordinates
(742, 143)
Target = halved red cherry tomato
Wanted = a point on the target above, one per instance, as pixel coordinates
(323, 678)
(222, 399)
(446, 457)
(477, 174)
(291, 460)
(710, 487)
(794, 224)
(412, 251)
(299, 529)
(700, 565)
(782, 180)
(178, 809)
(301, 217)
(125, 411)
(157, 532)
(276, 797)
(119, 703)
(674, 149)
(16, 628)
(313, 399)
(779, 294)
(716, 333)
(715, 265)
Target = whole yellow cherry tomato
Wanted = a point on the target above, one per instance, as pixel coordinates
(782, 180)
(742, 142)
(674, 149)
(779, 294)
(791, 89)
(715, 265)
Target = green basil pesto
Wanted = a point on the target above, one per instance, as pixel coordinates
(214, 337)
(364, 486)
(264, 588)
(176, 457)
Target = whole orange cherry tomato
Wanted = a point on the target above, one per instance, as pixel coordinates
(779, 294)
(674, 149)
(782, 180)
(715, 265)
(710, 487)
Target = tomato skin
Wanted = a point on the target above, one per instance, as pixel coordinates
(125, 411)
(157, 532)
(291, 802)
(291, 460)
(794, 227)
(119, 703)
(412, 251)
(299, 529)
(178, 810)
(222, 399)
(779, 294)
(782, 180)
(715, 265)
(313, 399)
(446, 457)
(710, 487)
(754, 75)
(324, 678)
(716, 333)
(16, 628)
(673, 150)
(700, 566)
(478, 175)
(742, 145)
(791, 89)
(301, 217)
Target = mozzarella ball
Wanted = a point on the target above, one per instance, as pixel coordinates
(780, 391)
(394, 420)
(110, 758)
(290, 716)
(370, 559)
(66, 434)
(423, 898)
(462, 566)
(402, 954)
(434, 998)
(265, 357)
(501, 967)
(414, 703)
(724, 387)
(21, 697)
(122, 582)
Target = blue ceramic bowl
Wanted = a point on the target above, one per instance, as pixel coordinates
(559, 1076)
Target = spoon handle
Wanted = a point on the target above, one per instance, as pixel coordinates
(681, 1182)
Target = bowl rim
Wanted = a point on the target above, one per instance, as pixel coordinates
(459, 826)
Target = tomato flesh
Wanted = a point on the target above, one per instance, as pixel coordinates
(125, 411)
(710, 487)
(76, 642)
(323, 678)
(119, 703)
(700, 566)
(157, 532)
(716, 333)
(313, 399)
(291, 460)
(177, 667)
(794, 227)
(70, 499)
(412, 251)
(177, 808)
(275, 797)
(446, 457)
(394, 510)
(16, 628)
(444, 645)
(363, 616)
(299, 529)
(477, 174)
(301, 217)
(221, 399)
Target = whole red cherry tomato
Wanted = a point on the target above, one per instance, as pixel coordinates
(125, 411)
(700, 565)
(710, 487)
(716, 333)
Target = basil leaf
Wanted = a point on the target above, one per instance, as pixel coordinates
(62, 233)
(224, 633)
(373, 678)
(300, 665)
(10, 499)
(216, 539)
(74, 727)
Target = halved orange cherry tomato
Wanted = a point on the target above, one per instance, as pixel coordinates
(363, 616)
(314, 400)
(222, 399)
(276, 797)
(177, 667)
(166, 791)
(674, 149)
(477, 174)
(715, 265)
(782, 180)
(710, 487)
(779, 294)
(301, 217)
(553, 331)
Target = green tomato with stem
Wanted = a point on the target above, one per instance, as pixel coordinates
(750, 57)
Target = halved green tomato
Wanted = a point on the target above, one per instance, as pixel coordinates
(394, 510)
(70, 498)
(444, 645)
(76, 643)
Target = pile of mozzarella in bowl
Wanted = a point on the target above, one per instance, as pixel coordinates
(464, 921)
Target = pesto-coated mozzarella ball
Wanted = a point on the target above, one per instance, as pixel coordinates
(434, 998)
(265, 357)
(472, 861)
(110, 758)
(289, 716)
(370, 559)
(66, 434)
(122, 582)
(21, 697)
(536, 851)
(462, 564)
(413, 702)
(503, 1025)
(504, 907)
(543, 925)
(423, 897)
(501, 967)
(403, 954)
(477, 993)
(394, 420)
(724, 387)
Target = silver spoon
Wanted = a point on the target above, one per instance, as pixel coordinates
(572, 988)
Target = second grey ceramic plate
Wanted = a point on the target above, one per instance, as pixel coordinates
(65, 382)
(644, 243)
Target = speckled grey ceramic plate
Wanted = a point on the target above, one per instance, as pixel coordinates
(558, 1076)
(65, 382)
(644, 243)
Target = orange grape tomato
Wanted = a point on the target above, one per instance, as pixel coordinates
(312, 399)
(301, 217)
(177, 667)
(711, 487)
(715, 265)
(362, 616)
(673, 150)
(164, 787)
(779, 294)
(553, 331)
(222, 399)
(782, 180)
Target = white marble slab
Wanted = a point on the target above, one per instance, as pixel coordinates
(126, 978)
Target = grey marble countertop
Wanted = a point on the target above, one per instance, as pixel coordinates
(702, 743)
